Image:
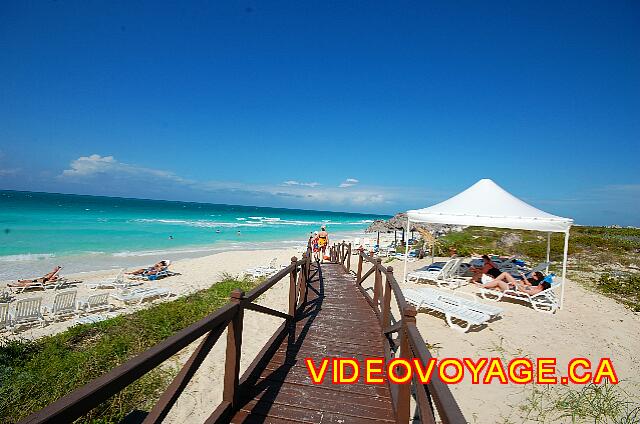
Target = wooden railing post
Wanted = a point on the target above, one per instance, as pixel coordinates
(349, 257)
(359, 274)
(234, 347)
(292, 288)
(386, 301)
(403, 410)
(302, 280)
(377, 285)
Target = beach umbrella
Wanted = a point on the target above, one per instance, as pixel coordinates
(397, 223)
(376, 227)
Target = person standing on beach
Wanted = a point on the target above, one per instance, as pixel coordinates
(323, 242)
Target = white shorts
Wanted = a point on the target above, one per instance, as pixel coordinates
(486, 279)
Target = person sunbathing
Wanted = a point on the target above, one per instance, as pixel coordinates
(505, 281)
(160, 266)
(486, 273)
(47, 278)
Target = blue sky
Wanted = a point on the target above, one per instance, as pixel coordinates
(352, 106)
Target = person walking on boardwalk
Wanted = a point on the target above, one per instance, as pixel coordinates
(315, 248)
(323, 242)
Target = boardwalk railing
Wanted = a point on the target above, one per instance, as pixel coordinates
(409, 341)
(81, 401)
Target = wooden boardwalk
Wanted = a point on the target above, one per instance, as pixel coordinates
(334, 321)
(330, 315)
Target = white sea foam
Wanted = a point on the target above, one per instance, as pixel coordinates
(127, 253)
(27, 257)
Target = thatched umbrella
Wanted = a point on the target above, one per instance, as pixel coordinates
(398, 223)
(376, 227)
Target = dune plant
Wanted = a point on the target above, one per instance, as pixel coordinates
(36, 373)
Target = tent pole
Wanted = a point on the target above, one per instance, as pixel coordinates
(406, 253)
(548, 251)
(564, 266)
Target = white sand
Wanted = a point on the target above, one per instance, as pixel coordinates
(590, 325)
(195, 274)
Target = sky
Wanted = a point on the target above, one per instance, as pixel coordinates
(333, 105)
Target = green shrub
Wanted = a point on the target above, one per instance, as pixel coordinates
(624, 289)
(36, 373)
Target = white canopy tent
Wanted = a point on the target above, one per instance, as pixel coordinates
(486, 204)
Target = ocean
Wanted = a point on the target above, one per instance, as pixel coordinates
(86, 233)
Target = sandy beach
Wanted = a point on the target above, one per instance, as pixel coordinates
(590, 325)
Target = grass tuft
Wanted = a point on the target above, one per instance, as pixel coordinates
(36, 373)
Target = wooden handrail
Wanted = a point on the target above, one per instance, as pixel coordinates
(82, 400)
(412, 344)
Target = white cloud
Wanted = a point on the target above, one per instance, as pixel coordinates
(89, 166)
(349, 182)
(10, 171)
(298, 183)
(294, 192)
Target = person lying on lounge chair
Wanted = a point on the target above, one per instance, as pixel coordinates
(151, 270)
(505, 281)
(487, 272)
(47, 278)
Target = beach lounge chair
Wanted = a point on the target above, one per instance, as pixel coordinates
(96, 303)
(28, 311)
(117, 282)
(64, 304)
(4, 316)
(265, 271)
(92, 319)
(60, 283)
(471, 303)
(139, 295)
(152, 276)
(434, 275)
(22, 287)
(542, 266)
(453, 311)
(452, 279)
(545, 301)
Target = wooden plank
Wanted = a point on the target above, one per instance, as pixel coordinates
(335, 321)
(318, 394)
(302, 414)
(301, 376)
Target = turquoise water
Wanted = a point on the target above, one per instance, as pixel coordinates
(44, 228)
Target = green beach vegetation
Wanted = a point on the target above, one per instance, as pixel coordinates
(36, 373)
(600, 258)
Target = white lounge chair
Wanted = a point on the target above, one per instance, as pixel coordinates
(61, 283)
(545, 301)
(22, 287)
(64, 304)
(265, 271)
(435, 276)
(28, 311)
(452, 279)
(96, 303)
(92, 319)
(139, 295)
(471, 303)
(451, 310)
(117, 282)
(5, 323)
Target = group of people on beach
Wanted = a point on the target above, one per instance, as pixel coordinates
(319, 241)
(489, 276)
